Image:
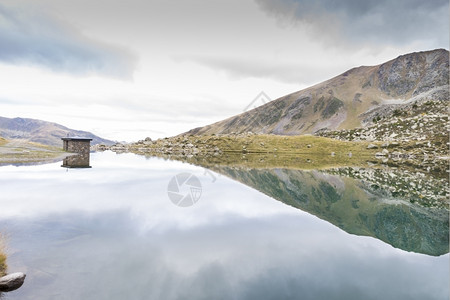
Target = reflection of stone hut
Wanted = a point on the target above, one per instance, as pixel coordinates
(77, 161)
(77, 144)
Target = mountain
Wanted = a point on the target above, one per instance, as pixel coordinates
(42, 132)
(356, 98)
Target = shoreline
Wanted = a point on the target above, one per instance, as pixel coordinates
(20, 152)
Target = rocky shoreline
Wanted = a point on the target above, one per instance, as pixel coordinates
(421, 153)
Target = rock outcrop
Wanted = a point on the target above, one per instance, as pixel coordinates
(11, 282)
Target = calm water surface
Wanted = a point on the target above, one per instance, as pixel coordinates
(111, 232)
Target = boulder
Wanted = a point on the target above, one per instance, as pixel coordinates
(372, 146)
(393, 135)
(12, 282)
(397, 154)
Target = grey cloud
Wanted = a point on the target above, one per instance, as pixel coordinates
(370, 21)
(164, 109)
(32, 37)
(288, 72)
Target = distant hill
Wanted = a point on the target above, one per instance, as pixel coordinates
(43, 132)
(356, 98)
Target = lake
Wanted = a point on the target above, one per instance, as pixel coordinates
(133, 227)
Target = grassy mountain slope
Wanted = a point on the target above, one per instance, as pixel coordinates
(42, 132)
(347, 101)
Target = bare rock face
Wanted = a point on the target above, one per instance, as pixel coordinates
(415, 72)
(11, 282)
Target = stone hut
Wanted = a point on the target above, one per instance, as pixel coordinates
(77, 144)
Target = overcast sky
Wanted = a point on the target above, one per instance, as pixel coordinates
(126, 70)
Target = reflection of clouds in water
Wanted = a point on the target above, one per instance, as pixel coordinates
(112, 233)
(280, 257)
(126, 182)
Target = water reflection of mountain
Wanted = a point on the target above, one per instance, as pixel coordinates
(353, 205)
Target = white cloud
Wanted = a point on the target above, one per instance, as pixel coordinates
(294, 72)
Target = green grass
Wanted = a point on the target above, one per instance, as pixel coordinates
(3, 265)
(304, 144)
(265, 151)
(290, 145)
(332, 107)
(273, 151)
(300, 152)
